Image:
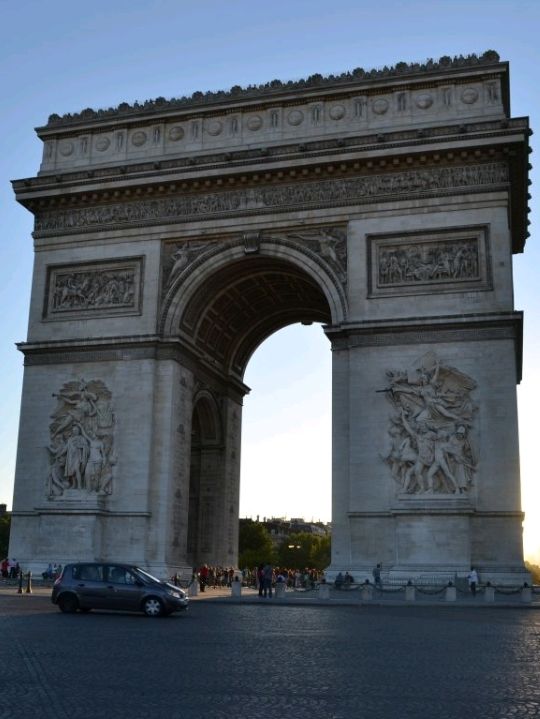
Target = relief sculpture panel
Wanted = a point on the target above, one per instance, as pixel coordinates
(81, 450)
(455, 260)
(431, 447)
(102, 288)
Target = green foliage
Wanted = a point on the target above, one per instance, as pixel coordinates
(5, 523)
(304, 550)
(254, 545)
(534, 569)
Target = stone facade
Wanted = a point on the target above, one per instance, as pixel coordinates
(172, 238)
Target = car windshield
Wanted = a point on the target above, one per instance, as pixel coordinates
(145, 576)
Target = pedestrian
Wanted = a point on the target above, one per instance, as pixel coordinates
(203, 577)
(268, 575)
(377, 576)
(260, 579)
(473, 581)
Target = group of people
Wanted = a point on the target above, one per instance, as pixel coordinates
(10, 568)
(266, 577)
(346, 580)
(52, 572)
(214, 577)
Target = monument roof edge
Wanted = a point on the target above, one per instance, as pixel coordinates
(277, 90)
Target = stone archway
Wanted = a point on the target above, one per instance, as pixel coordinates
(173, 237)
(225, 304)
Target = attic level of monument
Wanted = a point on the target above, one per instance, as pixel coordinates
(172, 238)
(315, 83)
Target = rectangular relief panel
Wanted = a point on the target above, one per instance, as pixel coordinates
(415, 263)
(94, 289)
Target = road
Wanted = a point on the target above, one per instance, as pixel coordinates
(265, 660)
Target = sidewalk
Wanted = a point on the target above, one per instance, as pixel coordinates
(350, 597)
(353, 597)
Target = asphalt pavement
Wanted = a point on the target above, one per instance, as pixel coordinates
(248, 657)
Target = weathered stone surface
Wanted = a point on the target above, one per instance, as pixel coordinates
(172, 239)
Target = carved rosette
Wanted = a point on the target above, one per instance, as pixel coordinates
(81, 451)
(431, 447)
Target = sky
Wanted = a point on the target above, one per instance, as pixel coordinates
(63, 56)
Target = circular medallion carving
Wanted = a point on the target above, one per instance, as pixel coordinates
(295, 117)
(138, 138)
(214, 128)
(337, 112)
(424, 101)
(254, 122)
(102, 144)
(66, 149)
(176, 133)
(469, 96)
(380, 106)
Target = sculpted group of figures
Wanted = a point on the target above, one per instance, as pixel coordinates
(93, 289)
(441, 262)
(431, 451)
(81, 450)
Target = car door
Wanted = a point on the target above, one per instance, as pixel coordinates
(124, 588)
(89, 585)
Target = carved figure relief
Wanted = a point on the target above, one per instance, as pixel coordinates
(450, 259)
(81, 452)
(177, 257)
(326, 192)
(96, 288)
(431, 449)
(428, 262)
(330, 243)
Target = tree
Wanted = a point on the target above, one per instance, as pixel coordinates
(5, 523)
(534, 569)
(304, 550)
(255, 545)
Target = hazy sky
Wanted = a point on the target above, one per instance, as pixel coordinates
(64, 56)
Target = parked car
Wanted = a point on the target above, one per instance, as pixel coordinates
(91, 585)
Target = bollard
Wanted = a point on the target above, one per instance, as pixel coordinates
(526, 594)
(19, 590)
(193, 589)
(29, 583)
(489, 593)
(236, 588)
(410, 593)
(366, 593)
(324, 592)
(450, 594)
(280, 590)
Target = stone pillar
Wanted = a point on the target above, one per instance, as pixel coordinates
(489, 594)
(410, 593)
(450, 594)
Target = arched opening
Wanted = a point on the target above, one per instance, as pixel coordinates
(286, 428)
(225, 318)
(204, 479)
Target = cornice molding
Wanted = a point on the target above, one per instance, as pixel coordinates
(345, 191)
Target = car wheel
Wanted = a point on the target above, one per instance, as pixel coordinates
(68, 604)
(153, 607)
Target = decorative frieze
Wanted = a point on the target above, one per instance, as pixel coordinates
(324, 193)
(97, 288)
(431, 426)
(446, 260)
(81, 451)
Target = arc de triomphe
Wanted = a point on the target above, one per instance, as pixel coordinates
(173, 237)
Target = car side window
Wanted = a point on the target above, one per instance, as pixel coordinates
(88, 572)
(121, 575)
